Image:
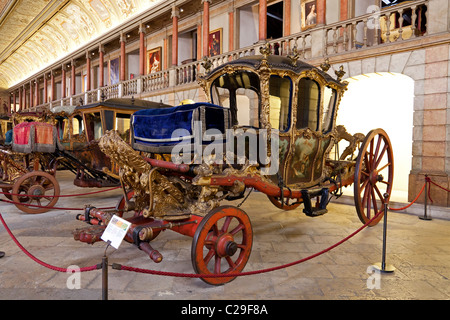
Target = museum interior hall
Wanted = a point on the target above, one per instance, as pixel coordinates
(145, 115)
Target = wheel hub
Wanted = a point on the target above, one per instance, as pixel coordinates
(36, 190)
(225, 245)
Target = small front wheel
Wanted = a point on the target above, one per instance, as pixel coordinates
(222, 244)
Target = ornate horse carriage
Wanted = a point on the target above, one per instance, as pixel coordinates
(65, 138)
(184, 161)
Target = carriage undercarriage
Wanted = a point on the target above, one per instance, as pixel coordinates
(189, 202)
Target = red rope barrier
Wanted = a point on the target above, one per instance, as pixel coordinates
(94, 267)
(50, 208)
(59, 196)
(215, 275)
(409, 205)
(438, 185)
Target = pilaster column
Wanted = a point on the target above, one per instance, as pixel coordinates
(321, 11)
(205, 24)
(24, 92)
(36, 92)
(72, 79)
(101, 61)
(31, 95)
(262, 20)
(199, 41)
(142, 51)
(344, 10)
(88, 72)
(231, 29)
(20, 99)
(287, 18)
(63, 81)
(122, 57)
(52, 86)
(45, 88)
(165, 54)
(175, 17)
(13, 104)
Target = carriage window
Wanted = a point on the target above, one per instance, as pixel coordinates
(123, 125)
(280, 97)
(62, 128)
(308, 104)
(77, 125)
(329, 102)
(94, 126)
(239, 92)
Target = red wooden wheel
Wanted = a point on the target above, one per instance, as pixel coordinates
(222, 244)
(276, 201)
(35, 188)
(374, 175)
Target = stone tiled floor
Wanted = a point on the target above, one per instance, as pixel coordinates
(419, 250)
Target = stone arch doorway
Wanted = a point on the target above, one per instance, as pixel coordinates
(383, 100)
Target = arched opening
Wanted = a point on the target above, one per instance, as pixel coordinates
(383, 100)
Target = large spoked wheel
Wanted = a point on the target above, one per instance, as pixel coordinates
(374, 175)
(222, 244)
(288, 204)
(38, 189)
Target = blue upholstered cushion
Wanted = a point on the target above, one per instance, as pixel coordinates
(156, 126)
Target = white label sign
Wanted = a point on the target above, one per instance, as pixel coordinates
(115, 231)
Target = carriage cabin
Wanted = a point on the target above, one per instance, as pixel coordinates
(288, 96)
(79, 128)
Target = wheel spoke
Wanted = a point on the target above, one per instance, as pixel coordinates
(230, 262)
(363, 185)
(381, 156)
(226, 224)
(374, 201)
(217, 263)
(237, 229)
(211, 253)
(384, 167)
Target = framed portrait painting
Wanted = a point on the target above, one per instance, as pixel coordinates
(309, 13)
(215, 42)
(114, 71)
(154, 60)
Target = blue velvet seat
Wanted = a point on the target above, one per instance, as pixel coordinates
(158, 130)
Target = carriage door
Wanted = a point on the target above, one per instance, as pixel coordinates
(280, 97)
(305, 163)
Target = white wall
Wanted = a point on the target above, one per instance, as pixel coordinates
(248, 21)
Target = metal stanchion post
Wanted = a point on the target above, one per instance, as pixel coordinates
(105, 274)
(105, 278)
(382, 267)
(425, 216)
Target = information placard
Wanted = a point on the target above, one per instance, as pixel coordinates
(115, 231)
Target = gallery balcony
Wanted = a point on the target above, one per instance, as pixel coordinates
(376, 32)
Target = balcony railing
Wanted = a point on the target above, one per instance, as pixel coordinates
(381, 27)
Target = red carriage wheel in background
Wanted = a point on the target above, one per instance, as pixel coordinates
(35, 188)
(374, 175)
(222, 243)
(286, 205)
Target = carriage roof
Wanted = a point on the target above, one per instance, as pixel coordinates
(274, 62)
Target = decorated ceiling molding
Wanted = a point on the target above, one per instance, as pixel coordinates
(36, 33)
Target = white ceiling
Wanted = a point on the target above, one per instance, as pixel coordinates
(36, 33)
